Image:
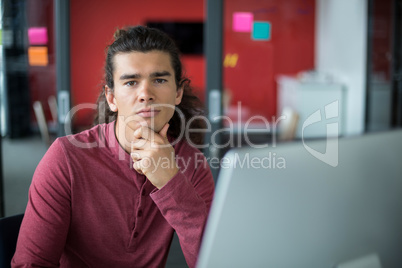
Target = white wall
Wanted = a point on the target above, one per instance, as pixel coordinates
(341, 44)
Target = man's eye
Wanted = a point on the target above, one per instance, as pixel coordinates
(160, 81)
(131, 83)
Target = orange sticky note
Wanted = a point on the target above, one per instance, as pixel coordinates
(37, 56)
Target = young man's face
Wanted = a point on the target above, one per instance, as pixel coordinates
(145, 90)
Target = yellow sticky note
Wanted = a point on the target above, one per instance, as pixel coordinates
(230, 60)
(38, 56)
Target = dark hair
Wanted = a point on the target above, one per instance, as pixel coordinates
(144, 39)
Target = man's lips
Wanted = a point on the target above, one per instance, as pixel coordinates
(148, 112)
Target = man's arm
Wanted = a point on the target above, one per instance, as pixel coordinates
(44, 229)
(183, 197)
(185, 202)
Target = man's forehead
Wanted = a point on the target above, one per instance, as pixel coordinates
(154, 54)
(148, 62)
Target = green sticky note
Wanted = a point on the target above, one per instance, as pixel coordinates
(261, 30)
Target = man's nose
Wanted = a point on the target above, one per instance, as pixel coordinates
(146, 93)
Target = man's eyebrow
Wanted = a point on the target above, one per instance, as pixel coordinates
(159, 74)
(129, 76)
(152, 75)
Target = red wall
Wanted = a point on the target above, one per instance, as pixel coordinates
(93, 23)
(382, 39)
(251, 81)
(289, 51)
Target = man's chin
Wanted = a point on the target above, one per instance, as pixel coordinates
(135, 122)
(134, 126)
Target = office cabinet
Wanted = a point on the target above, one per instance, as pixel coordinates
(320, 106)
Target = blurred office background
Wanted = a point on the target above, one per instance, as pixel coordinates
(278, 57)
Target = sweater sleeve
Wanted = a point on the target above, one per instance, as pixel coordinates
(185, 202)
(44, 229)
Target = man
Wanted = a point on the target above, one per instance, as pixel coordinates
(112, 196)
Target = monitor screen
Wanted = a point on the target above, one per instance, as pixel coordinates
(285, 206)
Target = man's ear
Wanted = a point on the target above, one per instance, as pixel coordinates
(179, 95)
(110, 99)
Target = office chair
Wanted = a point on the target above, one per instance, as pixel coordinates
(41, 119)
(45, 127)
(9, 229)
(288, 126)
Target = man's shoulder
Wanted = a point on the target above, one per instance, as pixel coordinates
(89, 138)
(94, 131)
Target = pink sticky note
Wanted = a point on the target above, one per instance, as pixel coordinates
(242, 21)
(37, 36)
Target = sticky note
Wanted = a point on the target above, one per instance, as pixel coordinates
(37, 36)
(261, 30)
(38, 56)
(242, 21)
(230, 60)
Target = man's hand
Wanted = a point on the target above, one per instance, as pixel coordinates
(153, 155)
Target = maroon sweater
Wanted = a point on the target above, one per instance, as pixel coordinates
(89, 208)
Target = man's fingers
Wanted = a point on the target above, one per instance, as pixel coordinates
(148, 134)
(145, 133)
(137, 167)
(142, 165)
(135, 156)
(139, 154)
(138, 132)
(139, 144)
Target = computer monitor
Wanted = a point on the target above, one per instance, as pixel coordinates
(294, 205)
